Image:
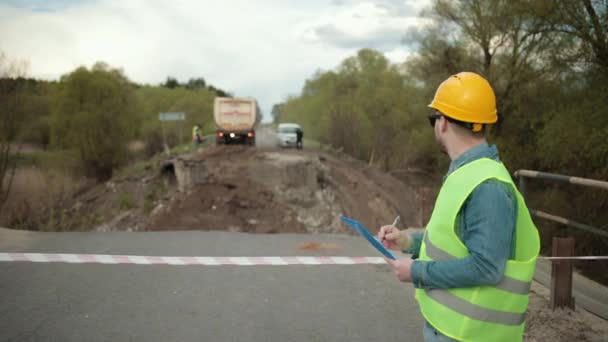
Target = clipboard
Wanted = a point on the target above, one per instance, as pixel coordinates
(356, 225)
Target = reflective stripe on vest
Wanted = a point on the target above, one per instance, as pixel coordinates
(506, 284)
(474, 311)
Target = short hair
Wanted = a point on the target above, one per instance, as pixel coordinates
(468, 127)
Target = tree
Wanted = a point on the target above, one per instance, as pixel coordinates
(12, 89)
(196, 103)
(367, 107)
(584, 20)
(219, 92)
(259, 113)
(95, 115)
(276, 112)
(171, 83)
(507, 44)
(196, 83)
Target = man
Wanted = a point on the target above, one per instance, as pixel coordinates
(196, 135)
(299, 136)
(473, 265)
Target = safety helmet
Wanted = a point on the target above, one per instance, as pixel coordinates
(466, 97)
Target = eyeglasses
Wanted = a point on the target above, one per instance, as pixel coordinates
(433, 118)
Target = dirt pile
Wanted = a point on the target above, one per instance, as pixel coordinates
(228, 198)
(244, 189)
(271, 191)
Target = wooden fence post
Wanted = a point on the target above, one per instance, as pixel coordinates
(561, 273)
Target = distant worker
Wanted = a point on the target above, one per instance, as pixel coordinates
(472, 268)
(197, 137)
(299, 136)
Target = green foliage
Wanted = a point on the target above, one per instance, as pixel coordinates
(135, 170)
(583, 23)
(58, 160)
(181, 149)
(26, 110)
(194, 84)
(171, 83)
(13, 92)
(153, 193)
(125, 201)
(574, 139)
(367, 107)
(196, 103)
(96, 113)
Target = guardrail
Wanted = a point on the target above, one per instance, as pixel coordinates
(563, 248)
(523, 174)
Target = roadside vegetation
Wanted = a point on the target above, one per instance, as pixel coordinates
(548, 63)
(59, 138)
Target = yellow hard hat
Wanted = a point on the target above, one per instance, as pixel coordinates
(466, 97)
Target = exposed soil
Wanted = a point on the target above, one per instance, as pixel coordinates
(238, 188)
(271, 191)
(560, 325)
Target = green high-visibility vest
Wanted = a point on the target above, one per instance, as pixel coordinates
(482, 313)
(195, 131)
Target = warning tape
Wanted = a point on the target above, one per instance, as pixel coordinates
(589, 257)
(187, 260)
(213, 261)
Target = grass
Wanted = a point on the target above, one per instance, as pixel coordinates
(125, 201)
(181, 149)
(153, 193)
(139, 167)
(35, 194)
(135, 169)
(311, 144)
(189, 147)
(46, 159)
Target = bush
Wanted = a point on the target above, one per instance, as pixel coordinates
(126, 201)
(96, 116)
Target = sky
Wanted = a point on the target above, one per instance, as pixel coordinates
(264, 49)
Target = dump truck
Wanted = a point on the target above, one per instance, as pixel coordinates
(235, 120)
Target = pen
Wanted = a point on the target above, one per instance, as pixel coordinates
(396, 221)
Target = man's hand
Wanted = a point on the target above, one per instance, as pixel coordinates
(392, 238)
(402, 268)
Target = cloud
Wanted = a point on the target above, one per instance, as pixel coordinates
(264, 49)
(397, 8)
(378, 24)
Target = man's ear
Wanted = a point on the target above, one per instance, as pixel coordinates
(443, 124)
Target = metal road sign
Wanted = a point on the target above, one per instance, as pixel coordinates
(177, 116)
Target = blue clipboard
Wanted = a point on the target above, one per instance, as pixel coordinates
(368, 236)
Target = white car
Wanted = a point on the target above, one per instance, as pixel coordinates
(287, 134)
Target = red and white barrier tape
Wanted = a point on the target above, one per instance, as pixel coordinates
(212, 261)
(187, 260)
(589, 257)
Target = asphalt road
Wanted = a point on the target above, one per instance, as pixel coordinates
(266, 137)
(90, 302)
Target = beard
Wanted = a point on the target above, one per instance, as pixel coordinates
(441, 144)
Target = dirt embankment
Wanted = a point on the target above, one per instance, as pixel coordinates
(282, 191)
(237, 188)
